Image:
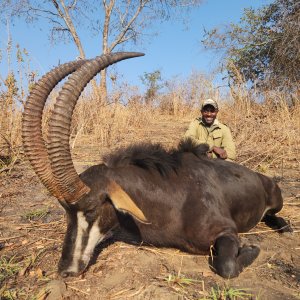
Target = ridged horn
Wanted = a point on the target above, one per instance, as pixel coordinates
(60, 124)
(33, 142)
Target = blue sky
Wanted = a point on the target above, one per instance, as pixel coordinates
(176, 51)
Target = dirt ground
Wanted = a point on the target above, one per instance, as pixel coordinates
(32, 227)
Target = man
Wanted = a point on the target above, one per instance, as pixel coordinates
(207, 129)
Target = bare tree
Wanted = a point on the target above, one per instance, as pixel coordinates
(115, 22)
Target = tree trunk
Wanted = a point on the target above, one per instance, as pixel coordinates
(103, 87)
(105, 50)
(65, 15)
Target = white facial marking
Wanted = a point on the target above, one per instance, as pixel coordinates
(95, 237)
(84, 252)
(82, 226)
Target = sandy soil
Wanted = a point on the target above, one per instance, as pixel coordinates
(32, 226)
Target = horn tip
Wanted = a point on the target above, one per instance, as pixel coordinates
(133, 54)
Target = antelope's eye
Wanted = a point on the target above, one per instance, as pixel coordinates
(90, 215)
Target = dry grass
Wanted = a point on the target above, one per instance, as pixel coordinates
(31, 234)
(266, 134)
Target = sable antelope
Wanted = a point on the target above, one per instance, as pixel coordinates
(176, 198)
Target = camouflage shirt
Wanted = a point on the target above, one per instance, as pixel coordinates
(217, 134)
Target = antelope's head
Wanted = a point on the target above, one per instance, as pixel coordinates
(90, 200)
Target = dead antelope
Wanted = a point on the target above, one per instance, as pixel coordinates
(176, 198)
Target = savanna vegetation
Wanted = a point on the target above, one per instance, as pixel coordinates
(261, 105)
(265, 123)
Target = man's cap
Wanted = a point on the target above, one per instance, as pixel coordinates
(209, 102)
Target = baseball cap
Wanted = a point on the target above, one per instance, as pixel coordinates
(210, 102)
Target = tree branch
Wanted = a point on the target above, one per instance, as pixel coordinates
(120, 38)
(65, 16)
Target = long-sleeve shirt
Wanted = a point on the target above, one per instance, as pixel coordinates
(217, 134)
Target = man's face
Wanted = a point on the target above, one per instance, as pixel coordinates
(209, 114)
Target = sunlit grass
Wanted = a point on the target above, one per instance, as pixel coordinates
(228, 293)
(180, 280)
(36, 214)
(8, 267)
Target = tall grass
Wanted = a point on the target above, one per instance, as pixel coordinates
(13, 87)
(266, 132)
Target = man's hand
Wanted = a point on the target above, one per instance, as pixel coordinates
(220, 152)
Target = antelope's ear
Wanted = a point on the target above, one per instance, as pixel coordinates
(122, 201)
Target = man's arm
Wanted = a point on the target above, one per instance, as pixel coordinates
(192, 132)
(228, 143)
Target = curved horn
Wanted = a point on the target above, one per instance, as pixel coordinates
(60, 123)
(33, 142)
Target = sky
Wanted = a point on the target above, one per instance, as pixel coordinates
(176, 51)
